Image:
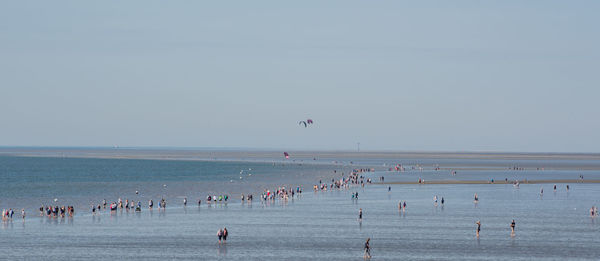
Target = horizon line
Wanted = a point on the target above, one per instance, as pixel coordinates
(267, 149)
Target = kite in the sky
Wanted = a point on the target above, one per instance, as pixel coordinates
(287, 156)
(306, 123)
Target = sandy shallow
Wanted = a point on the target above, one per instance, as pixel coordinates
(541, 181)
(320, 225)
(324, 226)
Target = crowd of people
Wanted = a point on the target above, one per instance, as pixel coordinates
(7, 214)
(56, 211)
(354, 178)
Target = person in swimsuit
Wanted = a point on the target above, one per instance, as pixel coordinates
(478, 228)
(225, 233)
(512, 227)
(367, 254)
(220, 235)
(360, 214)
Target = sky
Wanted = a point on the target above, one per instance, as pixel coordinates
(515, 76)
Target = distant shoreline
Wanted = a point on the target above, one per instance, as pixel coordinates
(446, 161)
(538, 181)
(219, 152)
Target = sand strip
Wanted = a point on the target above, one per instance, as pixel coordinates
(538, 181)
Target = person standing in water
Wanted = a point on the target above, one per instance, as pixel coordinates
(23, 213)
(478, 228)
(476, 198)
(367, 254)
(512, 228)
(360, 214)
(185, 201)
(220, 235)
(225, 233)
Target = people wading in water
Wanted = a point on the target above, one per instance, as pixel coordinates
(367, 254)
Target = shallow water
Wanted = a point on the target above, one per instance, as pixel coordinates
(489, 175)
(322, 225)
(31, 181)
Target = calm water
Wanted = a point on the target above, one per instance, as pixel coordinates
(31, 181)
(323, 225)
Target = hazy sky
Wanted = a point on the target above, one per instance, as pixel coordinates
(393, 75)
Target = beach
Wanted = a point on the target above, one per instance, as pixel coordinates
(320, 224)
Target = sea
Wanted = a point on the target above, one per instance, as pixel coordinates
(313, 225)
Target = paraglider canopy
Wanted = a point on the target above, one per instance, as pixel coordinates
(305, 123)
(287, 156)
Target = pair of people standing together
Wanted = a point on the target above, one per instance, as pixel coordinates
(222, 235)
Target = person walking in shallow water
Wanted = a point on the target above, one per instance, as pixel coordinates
(367, 254)
(478, 228)
(360, 214)
(225, 233)
(220, 235)
(512, 228)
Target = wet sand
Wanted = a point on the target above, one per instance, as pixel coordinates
(446, 160)
(541, 181)
(319, 225)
